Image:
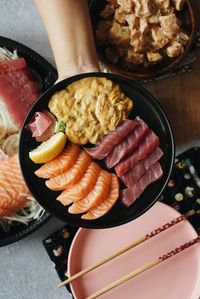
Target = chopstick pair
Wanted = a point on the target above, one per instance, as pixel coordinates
(130, 246)
(144, 268)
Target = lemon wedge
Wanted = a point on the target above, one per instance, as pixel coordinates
(49, 149)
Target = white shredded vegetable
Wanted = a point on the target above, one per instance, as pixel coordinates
(6, 55)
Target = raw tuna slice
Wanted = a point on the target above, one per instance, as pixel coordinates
(130, 194)
(148, 144)
(12, 65)
(127, 145)
(101, 150)
(135, 173)
(19, 90)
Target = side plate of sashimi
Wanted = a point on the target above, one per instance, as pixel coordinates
(129, 187)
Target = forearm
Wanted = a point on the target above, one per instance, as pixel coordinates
(68, 26)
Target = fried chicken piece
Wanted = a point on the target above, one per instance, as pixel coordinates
(120, 17)
(169, 25)
(143, 8)
(133, 58)
(158, 38)
(139, 42)
(182, 38)
(175, 49)
(126, 6)
(144, 26)
(154, 19)
(163, 4)
(154, 56)
(119, 35)
(178, 4)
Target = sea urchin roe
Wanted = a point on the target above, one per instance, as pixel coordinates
(90, 107)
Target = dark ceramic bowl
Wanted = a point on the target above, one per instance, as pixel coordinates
(167, 65)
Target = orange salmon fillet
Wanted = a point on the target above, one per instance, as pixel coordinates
(83, 187)
(98, 194)
(107, 204)
(60, 164)
(13, 190)
(71, 176)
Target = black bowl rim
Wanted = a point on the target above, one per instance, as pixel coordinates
(59, 86)
(34, 224)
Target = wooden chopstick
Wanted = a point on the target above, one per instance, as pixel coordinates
(131, 245)
(143, 268)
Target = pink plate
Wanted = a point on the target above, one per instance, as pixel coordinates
(175, 278)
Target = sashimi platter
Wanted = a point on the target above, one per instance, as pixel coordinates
(24, 75)
(96, 150)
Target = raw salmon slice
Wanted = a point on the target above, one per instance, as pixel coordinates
(95, 197)
(107, 204)
(61, 163)
(82, 188)
(13, 190)
(71, 176)
(12, 65)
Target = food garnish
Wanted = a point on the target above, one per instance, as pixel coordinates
(42, 126)
(133, 33)
(48, 150)
(90, 108)
(60, 126)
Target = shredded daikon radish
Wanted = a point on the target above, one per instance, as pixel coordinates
(6, 55)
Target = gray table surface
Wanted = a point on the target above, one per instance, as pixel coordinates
(25, 269)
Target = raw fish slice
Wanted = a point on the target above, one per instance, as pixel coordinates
(19, 88)
(95, 197)
(13, 190)
(5, 183)
(148, 144)
(12, 65)
(12, 172)
(83, 187)
(130, 194)
(107, 204)
(61, 163)
(101, 150)
(72, 176)
(127, 145)
(133, 175)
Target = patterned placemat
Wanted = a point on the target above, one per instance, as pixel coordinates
(182, 193)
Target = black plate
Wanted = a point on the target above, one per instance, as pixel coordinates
(145, 106)
(48, 76)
